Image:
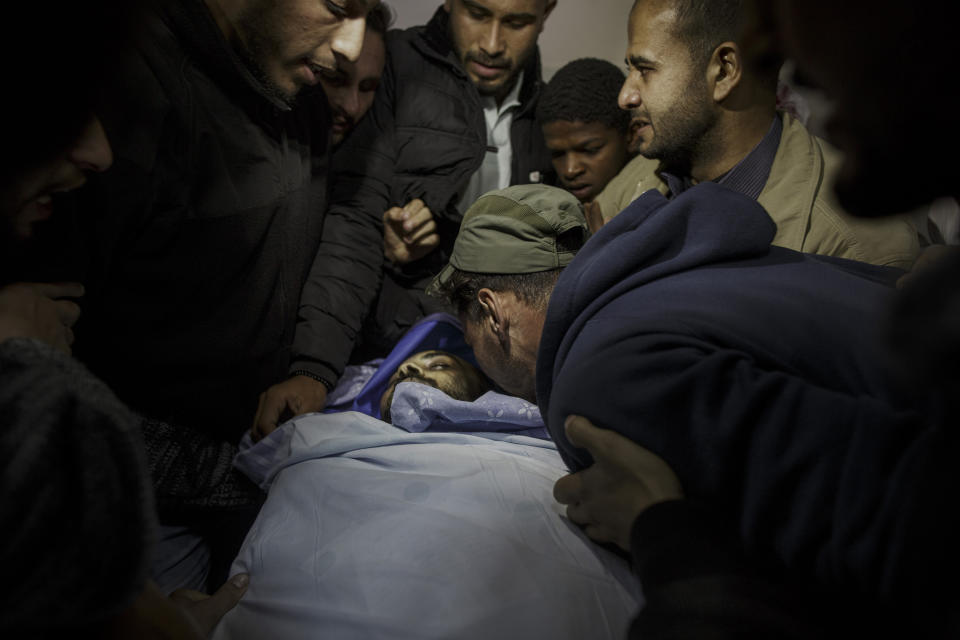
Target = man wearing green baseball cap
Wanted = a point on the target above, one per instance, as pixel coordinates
(512, 246)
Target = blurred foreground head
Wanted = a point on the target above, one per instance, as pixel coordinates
(887, 68)
(55, 61)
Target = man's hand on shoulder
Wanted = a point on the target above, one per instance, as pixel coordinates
(624, 480)
(292, 397)
(39, 310)
(409, 232)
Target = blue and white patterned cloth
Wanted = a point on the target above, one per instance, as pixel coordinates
(419, 407)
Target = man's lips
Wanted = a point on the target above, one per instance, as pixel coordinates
(341, 124)
(579, 190)
(43, 208)
(486, 70)
(426, 381)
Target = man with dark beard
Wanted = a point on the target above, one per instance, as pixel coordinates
(197, 246)
(439, 369)
(455, 118)
(351, 88)
(706, 114)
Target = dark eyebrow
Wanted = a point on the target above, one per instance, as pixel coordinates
(639, 61)
(430, 355)
(521, 17)
(589, 141)
(475, 6)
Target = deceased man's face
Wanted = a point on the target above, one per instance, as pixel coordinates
(453, 375)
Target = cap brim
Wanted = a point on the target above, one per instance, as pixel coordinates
(435, 289)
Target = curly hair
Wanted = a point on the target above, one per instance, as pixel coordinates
(584, 90)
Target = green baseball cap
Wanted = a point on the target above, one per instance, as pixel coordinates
(513, 231)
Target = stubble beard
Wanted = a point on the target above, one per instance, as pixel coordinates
(680, 136)
(455, 388)
(257, 47)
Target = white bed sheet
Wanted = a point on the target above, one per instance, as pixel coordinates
(372, 532)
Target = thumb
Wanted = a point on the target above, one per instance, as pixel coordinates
(208, 612)
(581, 433)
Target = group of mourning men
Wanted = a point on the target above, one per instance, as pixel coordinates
(288, 178)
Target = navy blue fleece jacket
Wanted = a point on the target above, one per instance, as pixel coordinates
(756, 372)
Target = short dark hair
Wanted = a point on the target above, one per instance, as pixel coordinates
(533, 289)
(380, 18)
(585, 90)
(704, 24)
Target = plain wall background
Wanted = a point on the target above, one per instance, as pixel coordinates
(575, 29)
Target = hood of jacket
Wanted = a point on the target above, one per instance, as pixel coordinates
(651, 239)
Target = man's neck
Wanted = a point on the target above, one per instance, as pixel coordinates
(503, 93)
(732, 140)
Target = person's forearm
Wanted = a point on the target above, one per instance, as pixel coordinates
(191, 470)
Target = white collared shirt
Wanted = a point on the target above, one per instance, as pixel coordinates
(494, 171)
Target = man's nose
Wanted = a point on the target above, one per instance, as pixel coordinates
(571, 166)
(493, 44)
(410, 370)
(629, 97)
(351, 103)
(348, 38)
(91, 151)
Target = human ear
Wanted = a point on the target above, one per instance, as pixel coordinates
(725, 70)
(495, 320)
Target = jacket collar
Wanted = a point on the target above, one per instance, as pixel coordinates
(200, 35)
(794, 182)
(436, 36)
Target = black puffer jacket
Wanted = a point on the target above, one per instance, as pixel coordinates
(424, 138)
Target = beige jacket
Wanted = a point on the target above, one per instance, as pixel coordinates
(799, 198)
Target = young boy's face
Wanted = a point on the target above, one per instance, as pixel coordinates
(586, 155)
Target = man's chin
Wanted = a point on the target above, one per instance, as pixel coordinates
(495, 87)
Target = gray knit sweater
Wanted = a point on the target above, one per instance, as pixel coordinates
(77, 516)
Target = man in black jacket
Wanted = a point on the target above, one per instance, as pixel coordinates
(454, 118)
(198, 244)
(209, 226)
